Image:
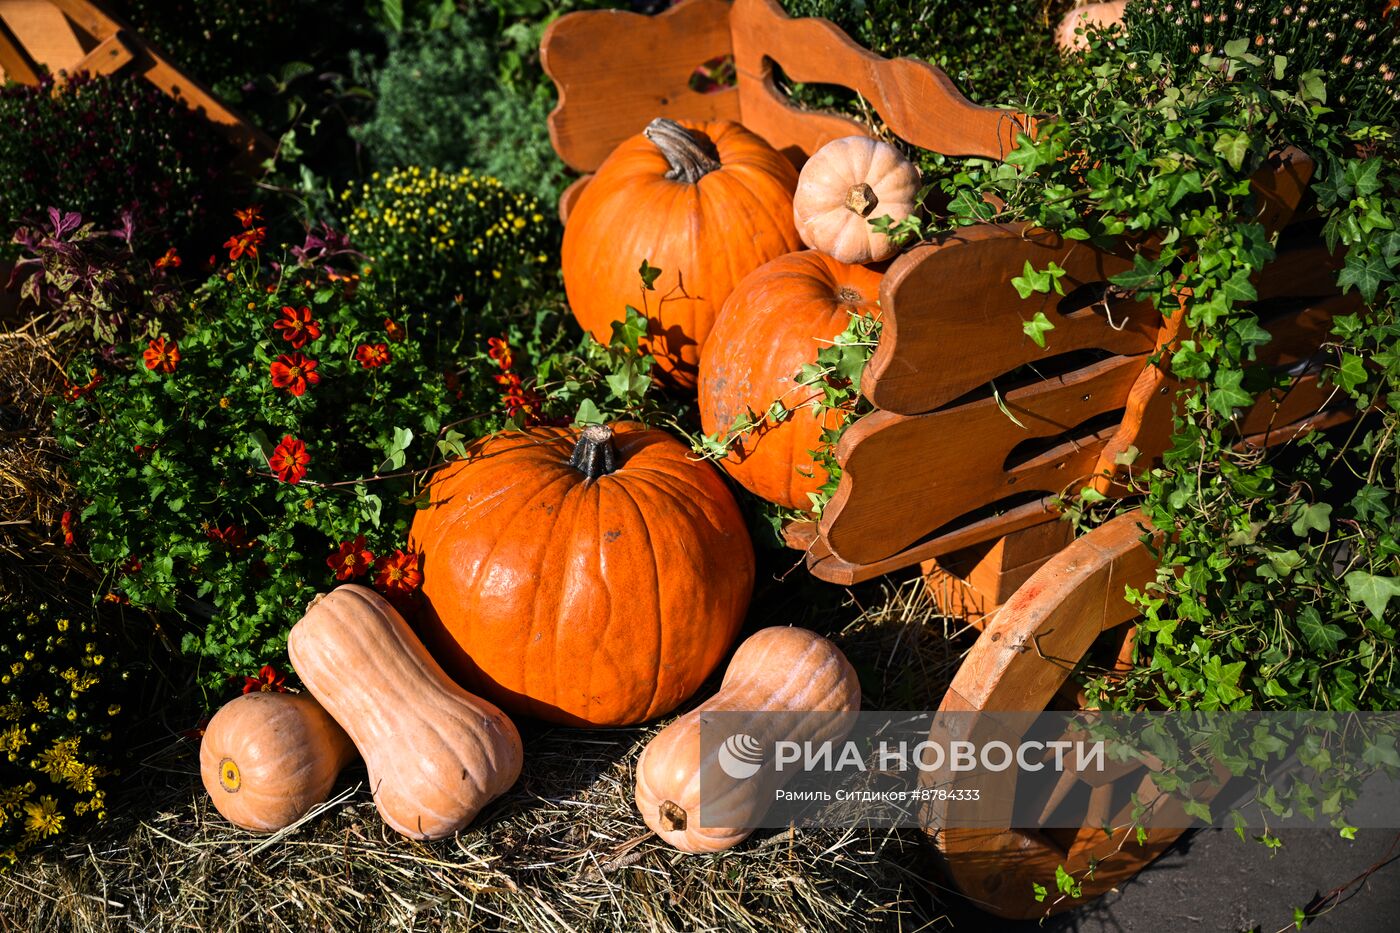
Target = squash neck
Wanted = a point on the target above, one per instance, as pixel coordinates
(691, 156)
(595, 455)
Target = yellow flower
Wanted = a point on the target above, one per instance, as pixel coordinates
(63, 625)
(42, 818)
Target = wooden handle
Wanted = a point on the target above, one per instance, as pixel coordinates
(916, 100)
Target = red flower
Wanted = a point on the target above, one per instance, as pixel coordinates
(372, 355)
(289, 460)
(269, 680)
(249, 216)
(454, 383)
(162, 356)
(499, 351)
(297, 327)
(66, 525)
(232, 539)
(132, 565)
(397, 574)
(196, 734)
(74, 392)
(394, 329)
(294, 372)
(246, 242)
(351, 559)
(1390, 7)
(171, 260)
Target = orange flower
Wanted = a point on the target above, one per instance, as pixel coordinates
(269, 680)
(246, 242)
(294, 372)
(66, 525)
(297, 327)
(394, 329)
(171, 260)
(372, 355)
(397, 575)
(351, 559)
(499, 351)
(162, 356)
(249, 216)
(289, 460)
(232, 539)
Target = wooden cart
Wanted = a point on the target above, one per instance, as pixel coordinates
(976, 429)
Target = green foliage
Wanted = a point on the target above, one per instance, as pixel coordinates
(470, 95)
(1352, 44)
(105, 147)
(63, 688)
(184, 510)
(440, 238)
(1275, 586)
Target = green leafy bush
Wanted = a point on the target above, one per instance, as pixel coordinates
(443, 237)
(62, 690)
(105, 147)
(470, 95)
(226, 464)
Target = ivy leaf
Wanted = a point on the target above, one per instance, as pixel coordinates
(1317, 517)
(1351, 372)
(1233, 147)
(1037, 327)
(1321, 637)
(1311, 87)
(393, 14)
(588, 413)
(649, 274)
(1228, 394)
(1365, 271)
(1374, 591)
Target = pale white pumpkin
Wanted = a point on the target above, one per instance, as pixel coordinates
(846, 184)
(1090, 14)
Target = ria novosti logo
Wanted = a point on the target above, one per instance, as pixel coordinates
(740, 756)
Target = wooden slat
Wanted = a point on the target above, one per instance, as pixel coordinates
(916, 100)
(953, 321)
(570, 197)
(39, 35)
(1280, 186)
(617, 71)
(904, 477)
(1017, 665)
(106, 58)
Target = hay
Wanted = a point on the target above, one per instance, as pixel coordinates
(564, 850)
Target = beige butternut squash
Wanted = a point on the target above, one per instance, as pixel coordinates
(776, 670)
(435, 753)
(267, 758)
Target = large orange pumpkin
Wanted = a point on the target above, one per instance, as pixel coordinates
(773, 324)
(587, 578)
(706, 203)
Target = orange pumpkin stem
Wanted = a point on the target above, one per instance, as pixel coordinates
(860, 199)
(672, 815)
(690, 158)
(594, 455)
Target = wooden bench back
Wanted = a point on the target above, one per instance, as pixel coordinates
(977, 429)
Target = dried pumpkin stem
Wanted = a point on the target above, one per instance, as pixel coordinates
(691, 159)
(672, 815)
(860, 199)
(847, 294)
(594, 455)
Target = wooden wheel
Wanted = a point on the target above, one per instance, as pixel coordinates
(1072, 608)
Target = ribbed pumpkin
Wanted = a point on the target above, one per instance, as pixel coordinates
(774, 323)
(588, 578)
(267, 758)
(846, 184)
(706, 203)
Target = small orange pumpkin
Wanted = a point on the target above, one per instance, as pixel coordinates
(775, 323)
(1109, 13)
(588, 578)
(267, 758)
(706, 203)
(846, 184)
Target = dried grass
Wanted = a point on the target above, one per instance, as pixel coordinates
(564, 850)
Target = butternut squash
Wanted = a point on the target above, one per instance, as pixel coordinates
(267, 758)
(776, 670)
(435, 753)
